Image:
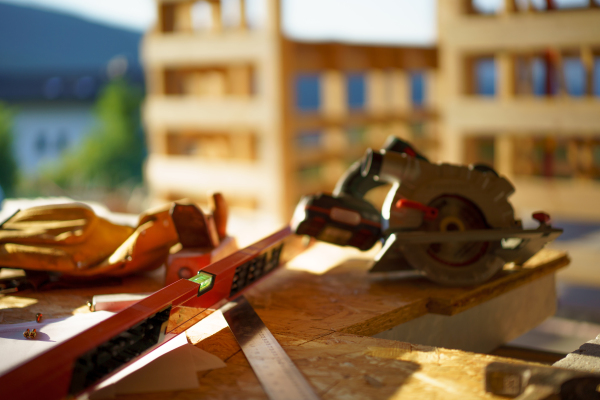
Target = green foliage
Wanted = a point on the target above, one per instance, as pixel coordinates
(8, 165)
(113, 153)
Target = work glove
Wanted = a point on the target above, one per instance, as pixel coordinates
(73, 240)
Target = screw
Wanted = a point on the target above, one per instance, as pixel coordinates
(30, 335)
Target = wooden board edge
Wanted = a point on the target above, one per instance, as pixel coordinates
(497, 287)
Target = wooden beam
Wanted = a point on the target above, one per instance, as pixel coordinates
(243, 17)
(560, 115)
(510, 7)
(183, 17)
(179, 49)
(208, 113)
(216, 16)
(240, 80)
(333, 94)
(524, 31)
(587, 60)
(505, 76)
(504, 154)
(316, 121)
(400, 90)
(333, 55)
(377, 92)
(432, 90)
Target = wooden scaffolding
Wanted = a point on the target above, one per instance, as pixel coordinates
(264, 119)
(539, 120)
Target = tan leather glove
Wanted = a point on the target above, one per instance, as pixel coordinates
(73, 240)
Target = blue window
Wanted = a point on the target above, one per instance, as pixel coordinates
(575, 79)
(308, 92)
(487, 6)
(417, 89)
(355, 86)
(63, 141)
(596, 154)
(571, 3)
(538, 77)
(41, 143)
(485, 76)
(596, 77)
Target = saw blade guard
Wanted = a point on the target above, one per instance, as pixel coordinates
(465, 199)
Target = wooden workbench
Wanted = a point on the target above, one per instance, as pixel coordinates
(322, 307)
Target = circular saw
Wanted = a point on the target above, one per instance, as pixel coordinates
(451, 222)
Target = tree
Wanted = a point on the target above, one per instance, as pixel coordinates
(8, 165)
(114, 151)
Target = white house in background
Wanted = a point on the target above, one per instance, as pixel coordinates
(44, 131)
(52, 67)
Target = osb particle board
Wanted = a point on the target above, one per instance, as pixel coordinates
(315, 313)
(57, 303)
(346, 298)
(344, 366)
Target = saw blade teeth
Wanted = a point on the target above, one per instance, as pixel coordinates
(501, 185)
(509, 188)
(449, 171)
(486, 181)
(499, 197)
(464, 173)
(508, 214)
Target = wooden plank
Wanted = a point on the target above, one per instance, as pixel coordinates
(190, 112)
(185, 49)
(377, 99)
(400, 90)
(524, 31)
(343, 366)
(59, 303)
(170, 172)
(316, 57)
(333, 94)
(488, 325)
(558, 116)
(307, 122)
(349, 300)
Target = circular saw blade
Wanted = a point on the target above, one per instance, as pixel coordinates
(456, 214)
(455, 263)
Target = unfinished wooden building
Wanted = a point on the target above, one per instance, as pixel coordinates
(237, 107)
(520, 89)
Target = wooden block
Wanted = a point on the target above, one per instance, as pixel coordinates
(486, 326)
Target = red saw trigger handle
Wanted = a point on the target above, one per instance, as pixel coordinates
(429, 213)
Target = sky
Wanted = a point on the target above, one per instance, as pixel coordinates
(372, 21)
(367, 21)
